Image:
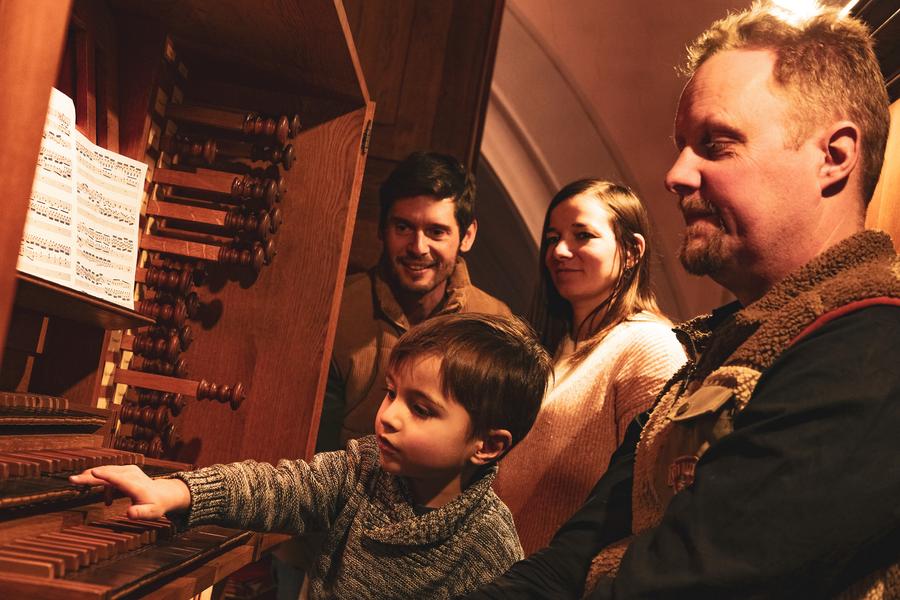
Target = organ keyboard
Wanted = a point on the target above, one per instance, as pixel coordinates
(58, 538)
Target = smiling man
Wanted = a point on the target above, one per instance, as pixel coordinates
(426, 223)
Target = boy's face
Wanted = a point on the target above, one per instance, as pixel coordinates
(422, 433)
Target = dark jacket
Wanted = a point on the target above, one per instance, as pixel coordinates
(800, 499)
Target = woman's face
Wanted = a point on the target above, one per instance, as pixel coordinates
(582, 253)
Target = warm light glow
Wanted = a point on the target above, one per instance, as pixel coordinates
(848, 7)
(796, 12)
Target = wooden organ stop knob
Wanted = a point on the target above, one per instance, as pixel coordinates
(258, 223)
(191, 301)
(254, 257)
(197, 269)
(162, 367)
(185, 334)
(144, 344)
(276, 218)
(170, 314)
(153, 448)
(153, 398)
(247, 123)
(295, 125)
(202, 390)
(178, 281)
(209, 150)
(166, 435)
(225, 184)
(145, 416)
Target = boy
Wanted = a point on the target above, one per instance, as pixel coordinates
(408, 512)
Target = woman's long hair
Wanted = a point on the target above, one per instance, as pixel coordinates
(551, 314)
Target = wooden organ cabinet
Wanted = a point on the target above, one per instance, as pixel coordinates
(253, 118)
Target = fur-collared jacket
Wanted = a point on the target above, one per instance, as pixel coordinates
(768, 467)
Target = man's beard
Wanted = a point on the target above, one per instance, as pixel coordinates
(706, 255)
(705, 258)
(442, 272)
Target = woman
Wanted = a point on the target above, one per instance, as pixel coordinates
(613, 352)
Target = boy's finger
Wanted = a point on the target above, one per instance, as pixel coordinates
(128, 478)
(86, 478)
(144, 511)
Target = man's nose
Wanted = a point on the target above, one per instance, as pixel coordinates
(683, 178)
(418, 245)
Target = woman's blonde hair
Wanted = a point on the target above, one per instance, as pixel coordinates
(551, 314)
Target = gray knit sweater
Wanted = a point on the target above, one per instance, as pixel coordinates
(376, 546)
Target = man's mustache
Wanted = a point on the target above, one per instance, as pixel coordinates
(695, 206)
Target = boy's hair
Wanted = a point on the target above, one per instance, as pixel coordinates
(430, 174)
(825, 64)
(494, 366)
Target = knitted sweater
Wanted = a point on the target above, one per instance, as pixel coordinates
(546, 478)
(376, 546)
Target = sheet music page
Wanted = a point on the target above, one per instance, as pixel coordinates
(108, 189)
(48, 241)
(82, 225)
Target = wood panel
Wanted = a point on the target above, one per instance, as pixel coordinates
(32, 32)
(268, 43)
(273, 333)
(428, 66)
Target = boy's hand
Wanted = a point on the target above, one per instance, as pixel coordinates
(151, 498)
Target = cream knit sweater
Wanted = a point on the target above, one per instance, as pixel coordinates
(547, 477)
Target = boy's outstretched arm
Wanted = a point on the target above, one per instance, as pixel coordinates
(151, 498)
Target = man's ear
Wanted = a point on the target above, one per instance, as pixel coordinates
(468, 237)
(841, 146)
(492, 446)
(636, 251)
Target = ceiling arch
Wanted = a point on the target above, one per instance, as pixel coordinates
(583, 88)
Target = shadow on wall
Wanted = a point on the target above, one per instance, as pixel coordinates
(503, 261)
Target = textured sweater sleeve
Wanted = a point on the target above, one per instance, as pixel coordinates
(492, 548)
(650, 357)
(294, 497)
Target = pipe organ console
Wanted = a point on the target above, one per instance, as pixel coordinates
(210, 96)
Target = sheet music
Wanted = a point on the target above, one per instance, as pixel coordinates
(46, 249)
(82, 225)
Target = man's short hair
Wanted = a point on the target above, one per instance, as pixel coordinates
(430, 174)
(494, 366)
(826, 65)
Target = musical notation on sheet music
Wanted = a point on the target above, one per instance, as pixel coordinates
(51, 207)
(82, 224)
(112, 168)
(104, 206)
(43, 251)
(108, 243)
(101, 284)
